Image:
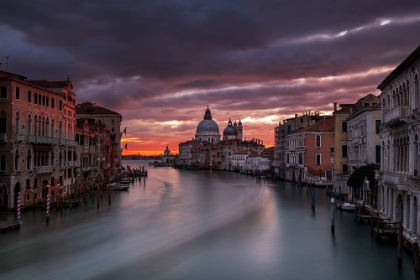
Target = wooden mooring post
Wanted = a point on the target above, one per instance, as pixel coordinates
(400, 237)
(416, 259)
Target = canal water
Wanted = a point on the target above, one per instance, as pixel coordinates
(179, 224)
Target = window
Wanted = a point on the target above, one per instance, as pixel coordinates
(17, 160)
(2, 163)
(366, 104)
(52, 103)
(344, 151)
(318, 159)
(3, 91)
(344, 126)
(3, 121)
(35, 98)
(377, 126)
(112, 121)
(332, 151)
(29, 96)
(28, 183)
(47, 101)
(318, 141)
(17, 92)
(60, 106)
(345, 168)
(289, 129)
(378, 153)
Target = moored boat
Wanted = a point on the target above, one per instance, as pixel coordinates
(348, 206)
(118, 187)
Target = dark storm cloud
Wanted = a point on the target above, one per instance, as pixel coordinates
(156, 60)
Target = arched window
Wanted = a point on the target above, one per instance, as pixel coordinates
(52, 158)
(17, 160)
(3, 122)
(61, 160)
(3, 163)
(29, 125)
(29, 160)
(36, 124)
(47, 126)
(52, 129)
(17, 123)
(318, 141)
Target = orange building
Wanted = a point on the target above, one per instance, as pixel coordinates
(310, 153)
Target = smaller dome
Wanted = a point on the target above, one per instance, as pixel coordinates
(230, 131)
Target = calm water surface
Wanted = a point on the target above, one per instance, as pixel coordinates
(179, 224)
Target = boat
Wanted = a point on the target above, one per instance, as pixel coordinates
(118, 187)
(125, 182)
(348, 206)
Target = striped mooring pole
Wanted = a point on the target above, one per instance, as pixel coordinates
(48, 209)
(18, 208)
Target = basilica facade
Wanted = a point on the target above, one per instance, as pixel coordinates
(209, 149)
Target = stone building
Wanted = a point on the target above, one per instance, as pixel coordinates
(399, 180)
(112, 121)
(309, 153)
(37, 147)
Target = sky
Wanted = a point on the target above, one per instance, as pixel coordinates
(161, 63)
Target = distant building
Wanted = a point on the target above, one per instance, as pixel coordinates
(309, 153)
(112, 120)
(206, 150)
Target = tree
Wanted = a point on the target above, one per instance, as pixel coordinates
(357, 178)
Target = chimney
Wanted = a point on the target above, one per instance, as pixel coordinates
(335, 106)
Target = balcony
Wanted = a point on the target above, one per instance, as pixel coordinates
(397, 116)
(71, 163)
(395, 178)
(3, 137)
(62, 142)
(85, 147)
(19, 137)
(72, 143)
(30, 139)
(100, 159)
(43, 140)
(43, 169)
(87, 168)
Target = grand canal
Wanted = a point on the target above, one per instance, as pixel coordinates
(179, 224)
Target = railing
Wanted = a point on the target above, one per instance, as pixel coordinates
(54, 141)
(71, 163)
(30, 139)
(72, 143)
(44, 169)
(88, 168)
(400, 111)
(62, 142)
(85, 147)
(19, 137)
(3, 137)
(395, 178)
(43, 140)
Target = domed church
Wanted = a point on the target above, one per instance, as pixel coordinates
(207, 129)
(233, 131)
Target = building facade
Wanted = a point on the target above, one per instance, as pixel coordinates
(37, 147)
(399, 181)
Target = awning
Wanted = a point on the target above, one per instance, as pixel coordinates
(42, 148)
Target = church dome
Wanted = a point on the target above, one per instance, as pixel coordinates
(230, 132)
(207, 126)
(207, 129)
